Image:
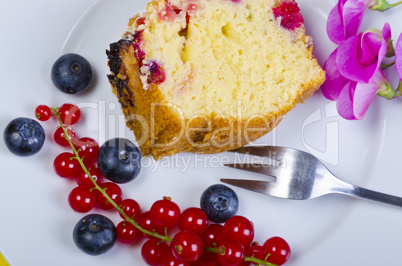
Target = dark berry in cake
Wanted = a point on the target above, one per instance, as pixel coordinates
(139, 53)
(157, 75)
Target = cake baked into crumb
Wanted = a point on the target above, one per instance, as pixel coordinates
(207, 76)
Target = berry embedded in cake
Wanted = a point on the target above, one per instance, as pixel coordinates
(209, 76)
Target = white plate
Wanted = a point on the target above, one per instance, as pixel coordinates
(36, 222)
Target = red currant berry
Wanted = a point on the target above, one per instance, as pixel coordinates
(81, 199)
(212, 236)
(65, 165)
(187, 246)
(153, 251)
(131, 208)
(256, 251)
(69, 114)
(148, 224)
(230, 252)
(59, 136)
(207, 259)
(165, 212)
(193, 219)
(88, 149)
(171, 260)
(239, 228)
(127, 233)
(83, 179)
(244, 263)
(278, 250)
(113, 191)
(43, 112)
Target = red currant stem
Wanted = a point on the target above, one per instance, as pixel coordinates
(120, 210)
(117, 207)
(251, 259)
(258, 261)
(215, 250)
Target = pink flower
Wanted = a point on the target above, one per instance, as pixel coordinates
(355, 97)
(352, 98)
(398, 56)
(359, 56)
(345, 18)
(353, 72)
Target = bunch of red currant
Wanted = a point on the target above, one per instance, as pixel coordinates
(200, 243)
(67, 164)
(197, 242)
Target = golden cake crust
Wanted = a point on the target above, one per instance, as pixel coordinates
(159, 127)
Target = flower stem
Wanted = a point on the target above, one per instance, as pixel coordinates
(399, 89)
(121, 211)
(387, 91)
(383, 5)
(384, 66)
(395, 4)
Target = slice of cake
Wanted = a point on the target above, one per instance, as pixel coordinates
(211, 75)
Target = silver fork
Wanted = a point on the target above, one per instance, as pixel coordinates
(299, 176)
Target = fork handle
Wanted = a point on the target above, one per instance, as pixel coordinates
(368, 194)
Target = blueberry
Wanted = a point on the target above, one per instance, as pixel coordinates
(95, 234)
(72, 73)
(119, 160)
(24, 136)
(219, 202)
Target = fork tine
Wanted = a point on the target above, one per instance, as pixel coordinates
(265, 169)
(273, 152)
(253, 185)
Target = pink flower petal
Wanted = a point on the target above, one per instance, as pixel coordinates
(348, 64)
(379, 78)
(344, 103)
(341, 4)
(386, 36)
(334, 80)
(386, 32)
(352, 14)
(370, 46)
(334, 26)
(356, 97)
(398, 56)
(364, 94)
(359, 56)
